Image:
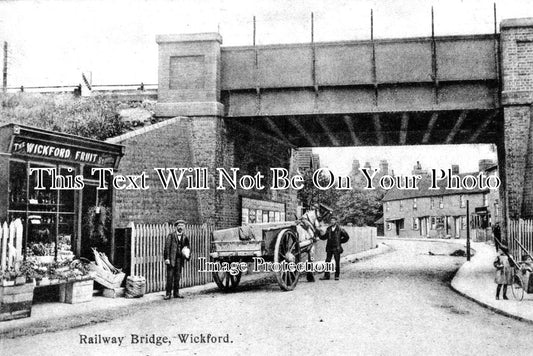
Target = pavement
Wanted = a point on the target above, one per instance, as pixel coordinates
(51, 317)
(475, 280)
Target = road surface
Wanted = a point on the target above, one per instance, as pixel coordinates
(398, 303)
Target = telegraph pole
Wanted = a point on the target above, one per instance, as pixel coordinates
(4, 71)
(468, 230)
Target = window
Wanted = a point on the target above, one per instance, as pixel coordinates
(433, 223)
(415, 223)
(401, 224)
(245, 215)
(441, 202)
(462, 201)
(496, 207)
(389, 226)
(414, 203)
(463, 222)
(431, 203)
(387, 206)
(485, 199)
(48, 214)
(401, 205)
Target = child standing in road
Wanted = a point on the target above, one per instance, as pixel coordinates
(504, 272)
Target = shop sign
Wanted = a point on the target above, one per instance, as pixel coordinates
(56, 151)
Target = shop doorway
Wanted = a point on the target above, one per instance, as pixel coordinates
(96, 219)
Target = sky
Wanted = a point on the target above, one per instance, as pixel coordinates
(51, 42)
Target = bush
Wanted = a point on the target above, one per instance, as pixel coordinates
(83, 116)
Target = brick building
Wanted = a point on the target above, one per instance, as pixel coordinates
(441, 213)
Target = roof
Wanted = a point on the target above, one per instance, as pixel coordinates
(424, 191)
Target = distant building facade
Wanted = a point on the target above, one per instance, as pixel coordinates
(305, 159)
(441, 213)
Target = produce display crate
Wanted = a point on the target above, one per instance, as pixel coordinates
(76, 291)
(16, 301)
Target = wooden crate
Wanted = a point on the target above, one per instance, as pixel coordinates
(16, 301)
(76, 292)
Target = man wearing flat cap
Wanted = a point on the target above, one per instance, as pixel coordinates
(175, 243)
(335, 236)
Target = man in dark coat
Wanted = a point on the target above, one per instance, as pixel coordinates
(497, 233)
(174, 258)
(336, 236)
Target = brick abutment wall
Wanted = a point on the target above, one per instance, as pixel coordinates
(517, 99)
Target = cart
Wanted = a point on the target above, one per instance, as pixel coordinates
(278, 242)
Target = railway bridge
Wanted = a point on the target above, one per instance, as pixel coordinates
(249, 106)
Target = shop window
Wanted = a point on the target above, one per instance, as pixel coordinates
(252, 216)
(401, 224)
(18, 186)
(47, 214)
(440, 222)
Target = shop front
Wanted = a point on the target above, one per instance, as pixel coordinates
(261, 211)
(40, 175)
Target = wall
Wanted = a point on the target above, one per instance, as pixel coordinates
(517, 99)
(361, 239)
(155, 146)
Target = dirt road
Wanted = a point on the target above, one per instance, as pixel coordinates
(395, 304)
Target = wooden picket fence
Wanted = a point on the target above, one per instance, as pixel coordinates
(147, 245)
(520, 233)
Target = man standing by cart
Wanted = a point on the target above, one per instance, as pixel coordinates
(176, 252)
(335, 236)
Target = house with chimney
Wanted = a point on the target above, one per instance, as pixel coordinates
(442, 213)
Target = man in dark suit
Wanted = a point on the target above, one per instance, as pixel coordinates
(174, 258)
(336, 236)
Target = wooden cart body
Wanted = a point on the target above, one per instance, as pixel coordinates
(266, 240)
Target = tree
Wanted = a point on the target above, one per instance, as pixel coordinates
(360, 207)
(310, 194)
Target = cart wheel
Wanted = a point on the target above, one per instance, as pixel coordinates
(287, 249)
(226, 281)
(517, 288)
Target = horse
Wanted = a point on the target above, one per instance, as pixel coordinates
(310, 226)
